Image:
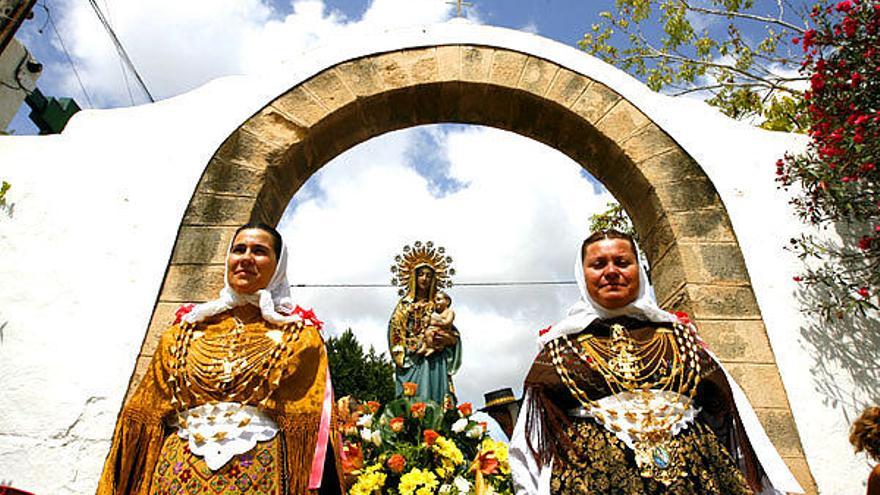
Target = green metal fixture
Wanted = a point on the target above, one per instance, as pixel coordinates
(50, 114)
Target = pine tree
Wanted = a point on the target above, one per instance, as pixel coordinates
(364, 376)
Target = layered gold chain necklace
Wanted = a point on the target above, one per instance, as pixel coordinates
(235, 366)
(668, 362)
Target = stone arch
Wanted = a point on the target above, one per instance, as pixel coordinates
(687, 236)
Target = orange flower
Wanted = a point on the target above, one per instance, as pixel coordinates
(417, 410)
(396, 463)
(466, 409)
(410, 389)
(352, 457)
(373, 406)
(396, 424)
(430, 437)
(484, 425)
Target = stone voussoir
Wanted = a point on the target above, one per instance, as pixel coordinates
(568, 87)
(595, 102)
(301, 106)
(202, 244)
(275, 127)
(717, 302)
(214, 209)
(192, 283)
(738, 340)
(476, 61)
(760, 382)
(330, 90)
(648, 142)
(507, 68)
(448, 63)
(781, 429)
(537, 76)
(622, 121)
(232, 178)
(362, 77)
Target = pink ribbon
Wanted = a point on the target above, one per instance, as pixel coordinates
(323, 436)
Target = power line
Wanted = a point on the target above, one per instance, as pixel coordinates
(51, 22)
(120, 49)
(121, 63)
(462, 284)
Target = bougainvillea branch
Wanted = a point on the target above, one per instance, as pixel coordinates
(837, 180)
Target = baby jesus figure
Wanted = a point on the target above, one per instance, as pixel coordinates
(438, 321)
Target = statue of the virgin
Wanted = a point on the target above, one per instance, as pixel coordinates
(424, 352)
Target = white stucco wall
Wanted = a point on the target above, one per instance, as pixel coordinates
(97, 210)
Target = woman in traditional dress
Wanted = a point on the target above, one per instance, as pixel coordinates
(420, 271)
(624, 398)
(237, 398)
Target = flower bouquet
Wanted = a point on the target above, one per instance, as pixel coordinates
(414, 447)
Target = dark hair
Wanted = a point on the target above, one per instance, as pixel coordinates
(865, 433)
(277, 243)
(600, 235)
(446, 295)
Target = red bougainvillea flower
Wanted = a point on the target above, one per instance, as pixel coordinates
(796, 279)
(181, 312)
(844, 6)
(865, 243)
(396, 424)
(864, 292)
(466, 409)
(417, 410)
(396, 463)
(430, 437)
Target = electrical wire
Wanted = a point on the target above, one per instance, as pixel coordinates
(461, 284)
(66, 53)
(121, 50)
(121, 63)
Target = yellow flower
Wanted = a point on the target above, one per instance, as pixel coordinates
(417, 482)
(500, 449)
(449, 455)
(369, 481)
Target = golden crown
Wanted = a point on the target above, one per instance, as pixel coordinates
(422, 254)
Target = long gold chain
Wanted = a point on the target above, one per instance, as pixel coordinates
(627, 366)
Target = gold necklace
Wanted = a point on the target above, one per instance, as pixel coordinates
(227, 366)
(628, 366)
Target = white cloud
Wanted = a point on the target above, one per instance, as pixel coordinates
(519, 217)
(530, 27)
(178, 46)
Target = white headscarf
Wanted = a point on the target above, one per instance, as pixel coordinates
(274, 301)
(586, 310)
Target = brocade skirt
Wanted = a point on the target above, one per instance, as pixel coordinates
(257, 472)
(602, 464)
